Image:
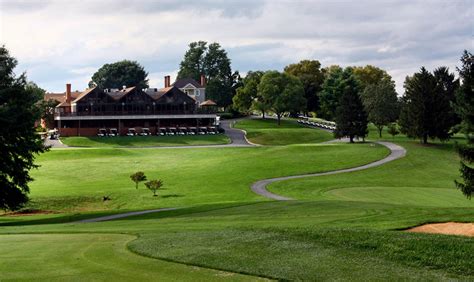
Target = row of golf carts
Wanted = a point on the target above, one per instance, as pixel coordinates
(162, 131)
(322, 124)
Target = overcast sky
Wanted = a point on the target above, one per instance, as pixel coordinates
(57, 42)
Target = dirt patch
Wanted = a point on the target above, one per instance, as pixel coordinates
(447, 228)
(27, 212)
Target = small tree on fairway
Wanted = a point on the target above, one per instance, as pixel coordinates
(138, 177)
(392, 129)
(351, 119)
(154, 185)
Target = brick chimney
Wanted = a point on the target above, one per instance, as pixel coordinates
(203, 80)
(167, 81)
(68, 93)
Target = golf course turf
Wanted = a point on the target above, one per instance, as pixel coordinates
(345, 226)
(145, 141)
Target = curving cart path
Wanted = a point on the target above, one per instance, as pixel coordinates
(260, 187)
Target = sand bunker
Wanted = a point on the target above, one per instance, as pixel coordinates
(448, 228)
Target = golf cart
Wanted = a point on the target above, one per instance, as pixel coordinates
(161, 131)
(131, 132)
(145, 131)
(102, 132)
(202, 130)
(211, 130)
(182, 130)
(171, 131)
(53, 134)
(192, 130)
(113, 132)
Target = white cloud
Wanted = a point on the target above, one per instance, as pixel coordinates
(60, 41)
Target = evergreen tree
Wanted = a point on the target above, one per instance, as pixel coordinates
(19, 142)
(351, 118)
(464, 107)
(425, 108)
(331, 92)
(447, 86)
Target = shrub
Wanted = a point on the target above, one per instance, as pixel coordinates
(138, 177)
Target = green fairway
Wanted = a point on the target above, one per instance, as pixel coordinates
(76, 180)
(146, 141)
(340, 227)
(268, 132)
(91, 257)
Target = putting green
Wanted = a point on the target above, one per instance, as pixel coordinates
(91, 257)
(420, 196)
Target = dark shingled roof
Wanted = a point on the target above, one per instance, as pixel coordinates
(119, 94)
(180, 83)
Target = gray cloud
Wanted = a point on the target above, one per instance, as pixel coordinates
(57, 41)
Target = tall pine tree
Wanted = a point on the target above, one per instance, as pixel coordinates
(425, 107)
(351, 118)
(464, 107)
(19, 142)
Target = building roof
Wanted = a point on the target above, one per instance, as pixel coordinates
(84, 94)
(180, 83)
(208, 103)
(156, 93)
(61, 97)
(119, 94)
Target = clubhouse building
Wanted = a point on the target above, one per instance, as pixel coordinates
(182, 104)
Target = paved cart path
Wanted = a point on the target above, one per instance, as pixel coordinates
(260, 187)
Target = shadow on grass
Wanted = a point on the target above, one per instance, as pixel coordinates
(71, 218)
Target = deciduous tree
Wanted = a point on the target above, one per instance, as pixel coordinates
(212, 61)
(381, 103)
(246, 97)
(123, 73)
(154, 185)
(281, 92)
(192, 65)
(138, 177)
(312, 77)
(369, 75)
(18, 141)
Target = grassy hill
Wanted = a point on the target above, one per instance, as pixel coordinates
(344, 226)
